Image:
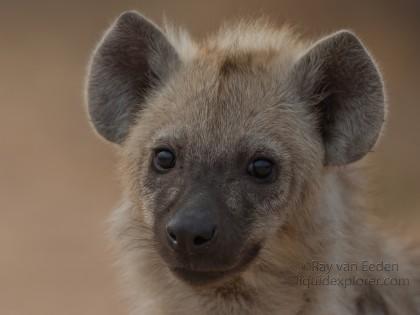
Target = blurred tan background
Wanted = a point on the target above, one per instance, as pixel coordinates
(57, 179)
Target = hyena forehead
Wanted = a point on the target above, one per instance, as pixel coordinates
(230, 86)
(231, 83)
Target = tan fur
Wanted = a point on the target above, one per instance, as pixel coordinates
(327, 220)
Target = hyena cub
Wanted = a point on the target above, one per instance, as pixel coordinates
(239, 197)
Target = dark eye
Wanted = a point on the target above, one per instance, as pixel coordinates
(164, 160)
(260, 168)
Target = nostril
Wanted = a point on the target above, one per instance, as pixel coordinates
(199, 240)
(203, 239)
(171, 235)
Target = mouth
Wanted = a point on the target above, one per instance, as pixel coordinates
(206, 277)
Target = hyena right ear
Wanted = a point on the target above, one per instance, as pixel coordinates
(133, 58)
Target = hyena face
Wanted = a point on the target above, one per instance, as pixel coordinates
(218, 168)
(223, 144)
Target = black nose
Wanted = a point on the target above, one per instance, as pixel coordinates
(190, 234)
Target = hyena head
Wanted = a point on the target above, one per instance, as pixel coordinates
(223, 141)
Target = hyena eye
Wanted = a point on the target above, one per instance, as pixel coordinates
(164, 160)
(260, 168)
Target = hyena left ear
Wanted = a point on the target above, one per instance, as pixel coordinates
(133, 59)
(339, 76)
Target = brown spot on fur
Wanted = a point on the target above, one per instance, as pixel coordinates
(235, 63)
(245, 61)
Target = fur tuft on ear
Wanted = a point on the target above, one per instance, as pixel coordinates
(341, 78)
(133, 58)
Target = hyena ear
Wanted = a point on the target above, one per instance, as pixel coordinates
(133, 59)
(339, 76)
